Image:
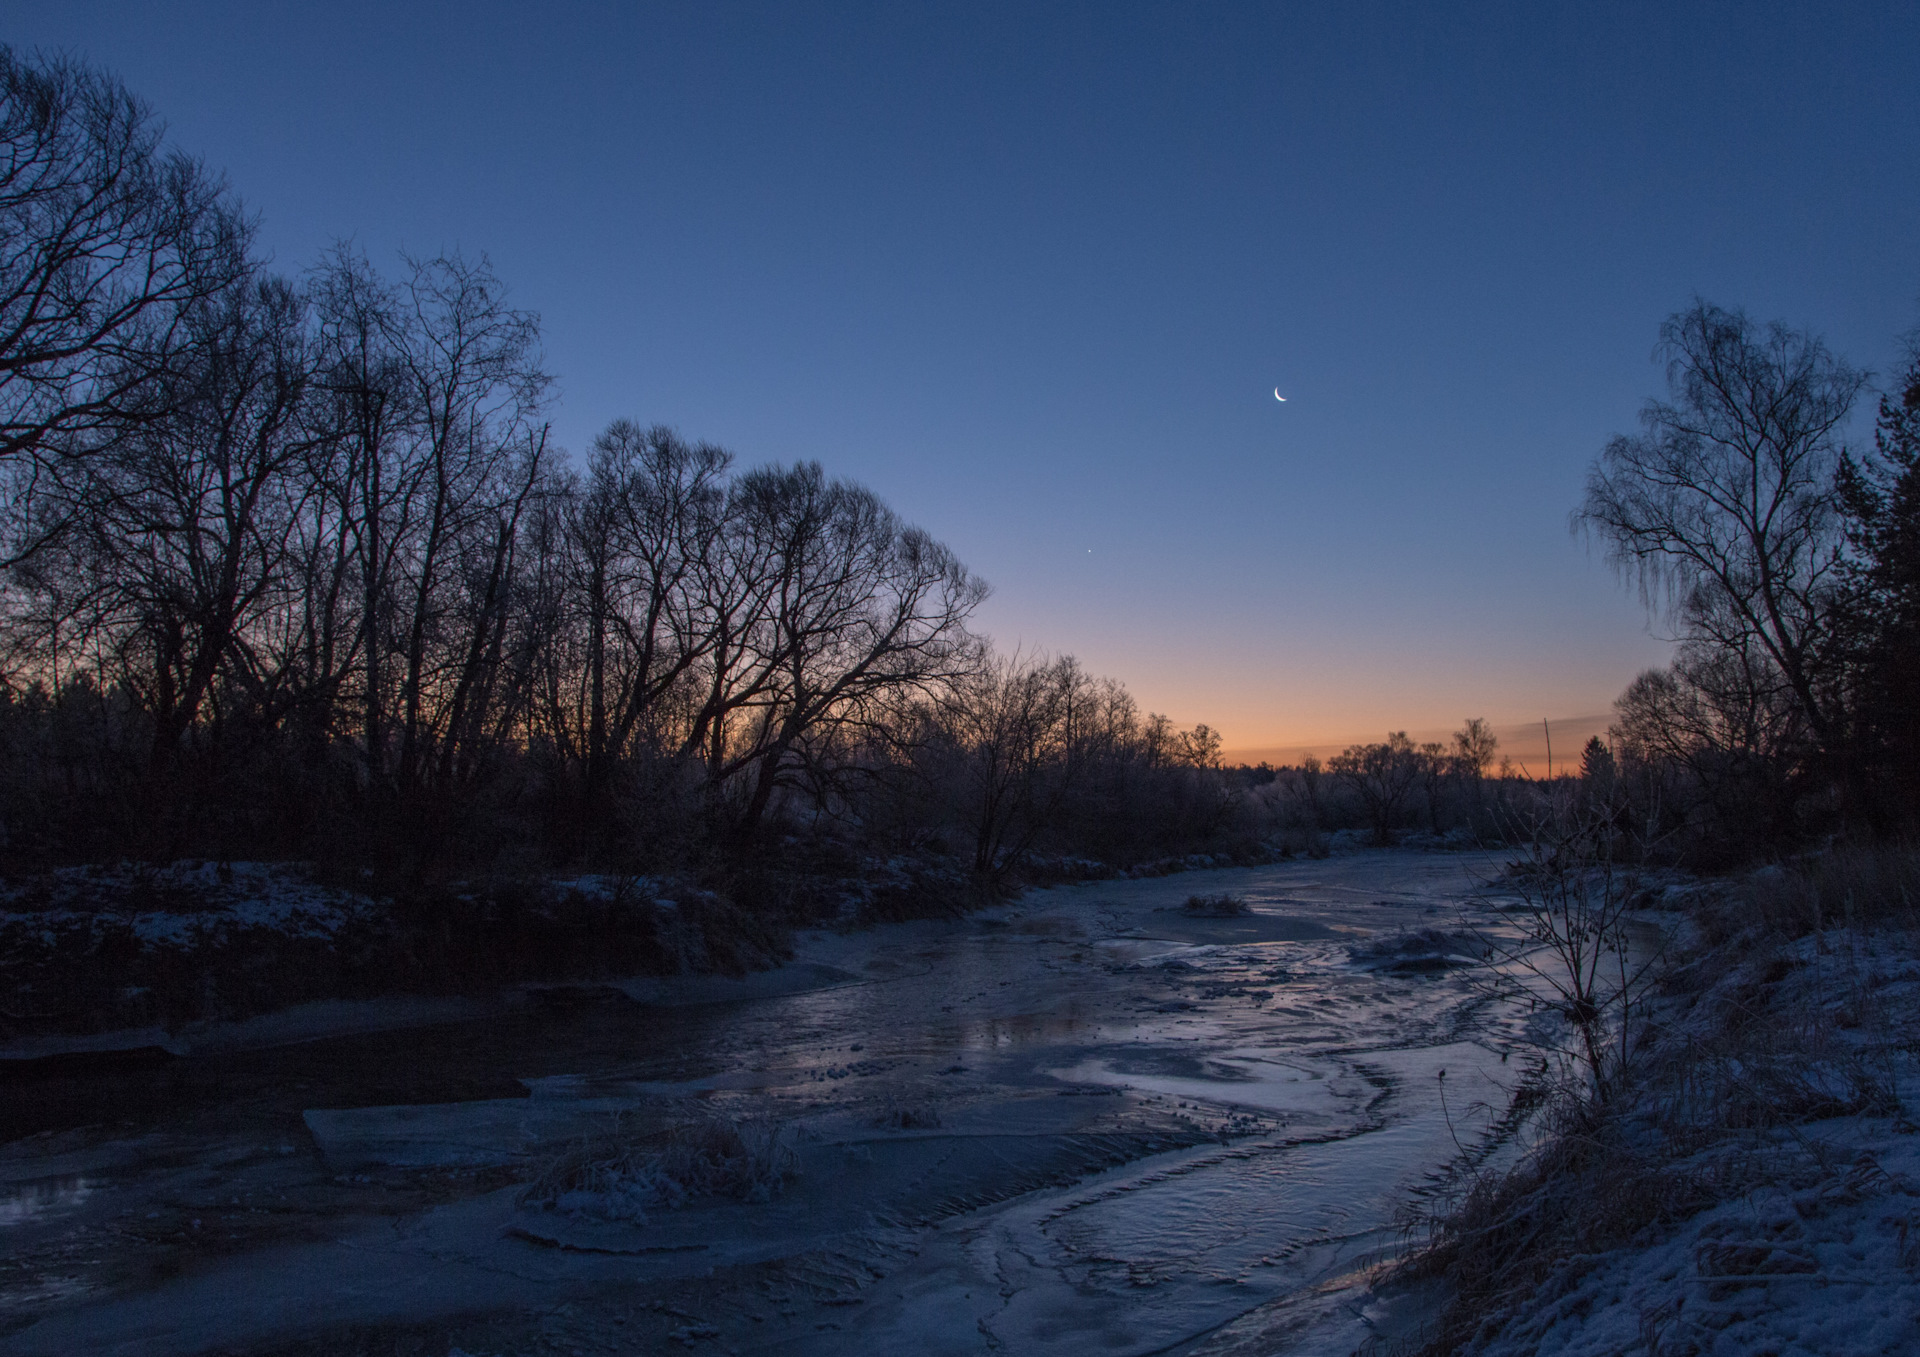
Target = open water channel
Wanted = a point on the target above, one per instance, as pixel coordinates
(1083, 1122)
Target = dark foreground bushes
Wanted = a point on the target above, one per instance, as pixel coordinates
(132, 949)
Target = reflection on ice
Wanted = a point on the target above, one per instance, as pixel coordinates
(1027, 1029)
(23, 1202)
(1125, 951)
(1289, 1088)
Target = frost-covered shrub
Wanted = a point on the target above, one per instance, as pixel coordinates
(1221, 906)
(617, 1177)
(905, 1114)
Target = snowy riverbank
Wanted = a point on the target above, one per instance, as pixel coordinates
(1754, 1184)
(161, 959)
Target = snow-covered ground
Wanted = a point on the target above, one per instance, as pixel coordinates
(1807, 1242)
(180, 904)
(139, 957)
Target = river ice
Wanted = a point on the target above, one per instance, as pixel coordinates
(1083, 1122)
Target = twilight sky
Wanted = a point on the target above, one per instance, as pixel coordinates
(1033, 270)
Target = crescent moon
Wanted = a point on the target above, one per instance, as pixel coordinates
(1277, 396)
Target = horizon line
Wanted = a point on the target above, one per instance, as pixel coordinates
(1523, 742)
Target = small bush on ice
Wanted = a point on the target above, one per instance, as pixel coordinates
(617, 1177)
(1222, 906)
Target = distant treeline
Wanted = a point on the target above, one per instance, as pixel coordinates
(292, 568)
(1439, 794)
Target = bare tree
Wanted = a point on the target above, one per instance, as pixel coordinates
(644, 530)
(1020, 730)
(1436, 770)
(358, 317)
(107, 243)
(1727, 718)
(1384, 775)
(1571, 908)
(1725, 506)
(1474, 746)
(1308, 790)
(469, 368)
(176, 566)
(858, 613)
(1199, 747)
(776, 628)
(436, 388)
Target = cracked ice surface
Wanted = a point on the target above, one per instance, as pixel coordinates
(1124, 1129)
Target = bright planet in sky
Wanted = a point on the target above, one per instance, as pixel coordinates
(1276, 394)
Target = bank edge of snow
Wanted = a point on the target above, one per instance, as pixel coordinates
(194, 902)
(1825, 1269)
(198, 906)
(1821, 1253)
(183, 904)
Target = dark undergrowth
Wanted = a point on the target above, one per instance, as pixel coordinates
(87, 971)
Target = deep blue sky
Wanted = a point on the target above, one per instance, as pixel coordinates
(1032, 272)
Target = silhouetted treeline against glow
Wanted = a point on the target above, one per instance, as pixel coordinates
(1396, 790)
(1789, 568)
(293, 568)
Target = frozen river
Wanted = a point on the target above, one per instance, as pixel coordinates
(1083, 1122)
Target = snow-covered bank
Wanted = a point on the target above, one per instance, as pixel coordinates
(1752, 1186)
(127, 961)
(126, 957)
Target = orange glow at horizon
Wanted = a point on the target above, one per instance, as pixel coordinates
(1524, 743)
